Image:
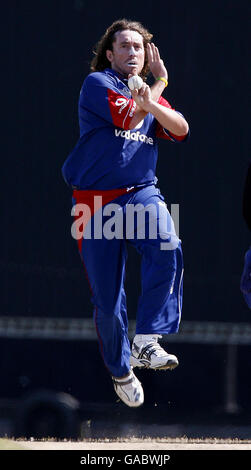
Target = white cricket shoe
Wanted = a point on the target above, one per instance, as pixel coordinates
(129, 389)
(147, 353)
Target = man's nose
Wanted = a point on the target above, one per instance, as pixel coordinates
(132, 51)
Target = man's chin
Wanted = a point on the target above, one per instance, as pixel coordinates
(128, 71)
(132, 70)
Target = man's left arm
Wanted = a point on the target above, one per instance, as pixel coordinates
(167, 117)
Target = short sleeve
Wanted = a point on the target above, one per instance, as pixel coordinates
(100, 96)
(163, 133)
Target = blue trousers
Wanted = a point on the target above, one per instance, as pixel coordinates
(151, 231)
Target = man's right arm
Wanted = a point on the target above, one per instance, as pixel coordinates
(101, 97)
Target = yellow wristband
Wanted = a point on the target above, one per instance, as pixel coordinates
(163, 80)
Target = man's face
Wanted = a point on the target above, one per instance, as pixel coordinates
(128, 54)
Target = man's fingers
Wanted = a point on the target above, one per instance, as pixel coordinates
(142, 95)
(157, 53)
(149, 52)
(134, 93)
(139, 92)
(153, 53)
(142, 89)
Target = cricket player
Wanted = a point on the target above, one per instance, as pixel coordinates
(112, 169)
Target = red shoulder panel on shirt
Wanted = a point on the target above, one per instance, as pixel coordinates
(164, 102)
(161, 132)
(122, 109)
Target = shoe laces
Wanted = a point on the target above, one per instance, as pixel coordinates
(158, 350)
(151, 342)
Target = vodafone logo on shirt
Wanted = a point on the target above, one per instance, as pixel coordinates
(137, 136)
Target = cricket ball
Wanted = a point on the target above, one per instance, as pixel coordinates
(135, 82)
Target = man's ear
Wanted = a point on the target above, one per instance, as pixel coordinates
(109, 55)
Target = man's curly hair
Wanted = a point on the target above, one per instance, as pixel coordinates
(100, 61)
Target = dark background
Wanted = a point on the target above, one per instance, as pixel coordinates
(47, 49)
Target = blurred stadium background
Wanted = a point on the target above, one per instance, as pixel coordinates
(53, 381)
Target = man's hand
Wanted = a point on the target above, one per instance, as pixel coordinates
(143, 97)
(156, 64)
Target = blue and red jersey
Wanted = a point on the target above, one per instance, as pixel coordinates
(108, 155)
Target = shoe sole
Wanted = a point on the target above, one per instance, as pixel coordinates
(170, 365)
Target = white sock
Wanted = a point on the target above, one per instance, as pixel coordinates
(144, 339)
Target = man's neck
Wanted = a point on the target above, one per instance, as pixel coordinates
(121, 75)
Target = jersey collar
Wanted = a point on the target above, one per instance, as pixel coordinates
(116, 74)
